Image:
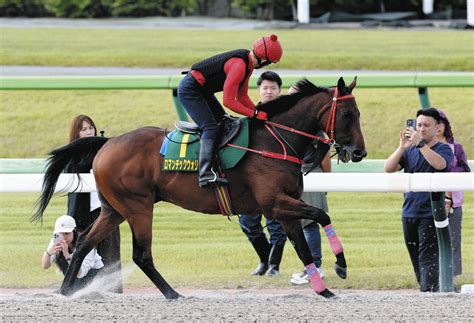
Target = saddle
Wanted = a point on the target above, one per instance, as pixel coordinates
(229, 126)
(180, 148)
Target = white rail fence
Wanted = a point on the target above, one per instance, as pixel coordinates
(314, 182)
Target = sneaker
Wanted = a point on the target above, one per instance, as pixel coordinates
(299, 275)
(300, 280)
(321, 272)
(272, 272)
(260, 270)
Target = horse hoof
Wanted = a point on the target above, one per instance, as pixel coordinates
(174, 296)
(66, 291)
(327, 294)
(340, 271)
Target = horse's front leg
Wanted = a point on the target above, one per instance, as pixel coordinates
(295, 234)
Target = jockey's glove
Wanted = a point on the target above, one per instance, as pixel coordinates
(260, 115)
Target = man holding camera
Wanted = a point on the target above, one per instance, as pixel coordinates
(420, 152)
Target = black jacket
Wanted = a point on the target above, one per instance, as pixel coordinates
(78, 206)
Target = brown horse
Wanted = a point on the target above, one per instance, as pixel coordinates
(130, 179)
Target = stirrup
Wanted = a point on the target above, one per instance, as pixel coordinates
(188, 127)
(216, 180)
(219, 182)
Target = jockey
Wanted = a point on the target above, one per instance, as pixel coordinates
(228, 72)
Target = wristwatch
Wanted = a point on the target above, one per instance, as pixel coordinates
(421, 144)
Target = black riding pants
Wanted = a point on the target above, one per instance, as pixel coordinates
(202, 107)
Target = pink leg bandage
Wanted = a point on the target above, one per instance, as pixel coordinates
(334, 242)
(315, 279)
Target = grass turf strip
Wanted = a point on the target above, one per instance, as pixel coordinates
(207, 251)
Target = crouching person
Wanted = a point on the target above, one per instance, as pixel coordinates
(61, 248)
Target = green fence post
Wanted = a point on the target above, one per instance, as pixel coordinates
(182, 115)
(446, 279)
(424, 99)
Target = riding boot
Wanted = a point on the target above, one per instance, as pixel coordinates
(275, 258)
(262, 247)
(206, 174)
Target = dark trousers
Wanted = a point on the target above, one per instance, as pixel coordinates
(202, 107)
(252, 227)
(313, 237)
(422, 244)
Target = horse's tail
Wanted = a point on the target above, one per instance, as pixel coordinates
(75, 157)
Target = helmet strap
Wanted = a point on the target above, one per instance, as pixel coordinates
(265, 46)
(259, 60)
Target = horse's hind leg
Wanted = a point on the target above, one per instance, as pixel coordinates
(107, 221)
(142, 232)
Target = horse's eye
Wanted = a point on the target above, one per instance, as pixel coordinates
(348, 115)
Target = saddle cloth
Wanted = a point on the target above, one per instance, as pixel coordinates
(181, 150)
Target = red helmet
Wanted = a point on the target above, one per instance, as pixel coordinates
(268, 48)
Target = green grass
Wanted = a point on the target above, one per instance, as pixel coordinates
(202, 251)
(303, 49)
(34, 122)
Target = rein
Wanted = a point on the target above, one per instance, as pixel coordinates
(329, 128)
(302, 133)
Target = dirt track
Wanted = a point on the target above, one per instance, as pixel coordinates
(236, 305)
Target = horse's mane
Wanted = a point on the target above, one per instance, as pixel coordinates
(284, 102)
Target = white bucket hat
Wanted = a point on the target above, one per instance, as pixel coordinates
(64, 223)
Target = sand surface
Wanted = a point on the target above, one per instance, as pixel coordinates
(297, 304)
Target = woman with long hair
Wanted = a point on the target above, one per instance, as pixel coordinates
(453, 200)
(62, 246)
(85, 207)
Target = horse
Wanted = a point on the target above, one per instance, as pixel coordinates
(130, 179)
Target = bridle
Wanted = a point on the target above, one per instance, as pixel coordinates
(330, 130)
(332, 113)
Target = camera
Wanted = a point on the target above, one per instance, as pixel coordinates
(57, 237)
(411, 123)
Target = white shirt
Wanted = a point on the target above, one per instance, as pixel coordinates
(94, 197)
(95, 202)
(92, 261)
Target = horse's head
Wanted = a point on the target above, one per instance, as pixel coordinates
(341, 121)
(310, 108)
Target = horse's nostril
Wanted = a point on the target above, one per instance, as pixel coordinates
(359, 153)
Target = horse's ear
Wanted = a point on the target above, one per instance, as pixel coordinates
(341, 85)
(353, 84)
